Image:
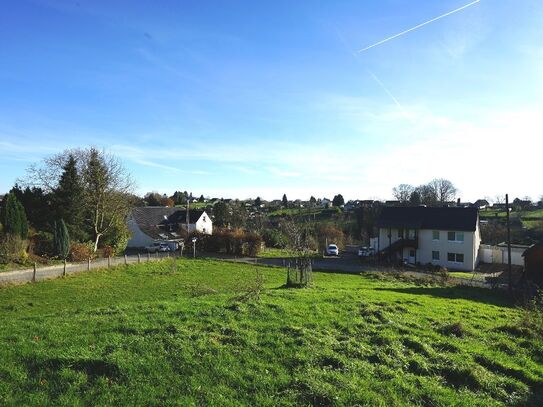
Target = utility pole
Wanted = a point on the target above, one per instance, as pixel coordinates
(188, 205)
(508, 244)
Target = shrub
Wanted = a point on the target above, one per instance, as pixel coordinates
(81, 251)
(274, 238)
(235, 241)
(254, 243)
(41, 244)
(107, 251)
(331, 234)
(13, 248)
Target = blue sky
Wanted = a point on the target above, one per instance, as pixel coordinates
(245, 99)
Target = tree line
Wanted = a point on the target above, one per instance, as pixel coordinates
(439, 191)
(79, 196)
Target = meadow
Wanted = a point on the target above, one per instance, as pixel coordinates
(206, 332)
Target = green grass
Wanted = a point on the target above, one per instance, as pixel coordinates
(271, 252)
(201, 333)
(461, 274)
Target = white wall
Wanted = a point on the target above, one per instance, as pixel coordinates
(469, 248)
(138, 238)
(498, 255)
(204, 225)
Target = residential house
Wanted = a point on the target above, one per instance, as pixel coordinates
(151, 224)
(444, 236)
(481, 204)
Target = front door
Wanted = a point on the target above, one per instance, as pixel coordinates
(412, 256)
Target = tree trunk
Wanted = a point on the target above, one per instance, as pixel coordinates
(96, 240)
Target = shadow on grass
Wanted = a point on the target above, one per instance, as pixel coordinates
(483, 295)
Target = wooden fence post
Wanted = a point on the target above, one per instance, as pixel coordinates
(139, 258)
(108, 261)
(148, 256)
(125, 260)
(64, 270)
(88, 264)
(34, 274)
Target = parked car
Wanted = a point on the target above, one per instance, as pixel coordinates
(366, 252)
(332, 250)
(158, 247)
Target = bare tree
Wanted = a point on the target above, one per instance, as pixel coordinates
(403, 192)
(444, 190)
(106, 185)
(300, 241)
(499, 199)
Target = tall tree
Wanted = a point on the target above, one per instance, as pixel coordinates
(106, 189)
(68, 199)
(443, 189)
(312, 201)
(221, 214)
(403, 193)
(13, 217)
(338, 200)
(414, 198)
(285, 201)
(427, 195)
(61, 239)
(153, 199)
(258, 202)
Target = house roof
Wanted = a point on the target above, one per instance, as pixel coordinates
(161, 215)
(420, 217)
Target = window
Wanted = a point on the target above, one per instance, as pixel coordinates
(435, 255)
(435, 234)
(455, 257)
(400, 233)
(204, 218)
(455, 236)
(411, 253)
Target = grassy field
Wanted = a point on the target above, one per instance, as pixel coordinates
(273, 253)
(203, 332)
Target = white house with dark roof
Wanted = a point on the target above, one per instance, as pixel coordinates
(150, 224)
(448, 236)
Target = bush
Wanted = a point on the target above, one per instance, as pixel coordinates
(330, 233)
(235, 241)
(274, 238)
(107, 251)
(41, 244)
(13, 248)
(81, 251)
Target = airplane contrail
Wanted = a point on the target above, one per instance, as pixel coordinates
(382, 85)
(420, 25)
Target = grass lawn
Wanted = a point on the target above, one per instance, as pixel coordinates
(272, 252)
(198, 332)
(461, 274)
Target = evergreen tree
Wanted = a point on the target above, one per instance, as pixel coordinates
(338, 200)
(13, 217)
(68, 199)
(61, 239)
(285, 201)
(258, 202)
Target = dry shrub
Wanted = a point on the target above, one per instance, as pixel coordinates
(81, 252)
(13, 248)
(234, 241)
(331, 234)
(107, 251)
